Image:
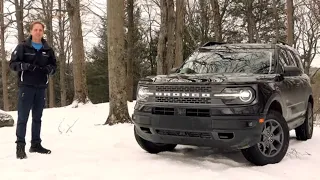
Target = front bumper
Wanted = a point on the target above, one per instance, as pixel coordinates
(231, 131)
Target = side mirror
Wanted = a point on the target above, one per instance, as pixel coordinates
(173, 70)
(292, 71)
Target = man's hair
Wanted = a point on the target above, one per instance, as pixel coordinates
(34, 23)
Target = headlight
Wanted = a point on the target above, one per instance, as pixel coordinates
(243, 95)
(143, 93)
(246, 95)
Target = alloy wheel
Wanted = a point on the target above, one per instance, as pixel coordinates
(272, 138)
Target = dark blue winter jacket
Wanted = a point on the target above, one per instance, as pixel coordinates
(33, 66)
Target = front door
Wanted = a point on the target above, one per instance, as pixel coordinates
(302, 87)
(289, 87)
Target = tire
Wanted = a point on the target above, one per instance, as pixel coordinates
(257, 154)
(305, 130)
(150, 147)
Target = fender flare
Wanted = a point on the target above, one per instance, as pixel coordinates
(275, 97)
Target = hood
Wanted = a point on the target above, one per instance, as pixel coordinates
(215, 78)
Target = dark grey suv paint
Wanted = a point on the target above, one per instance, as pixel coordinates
(242, 96)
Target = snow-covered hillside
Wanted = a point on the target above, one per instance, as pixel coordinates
(83, 149)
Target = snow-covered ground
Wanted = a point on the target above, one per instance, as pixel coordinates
(88, 150)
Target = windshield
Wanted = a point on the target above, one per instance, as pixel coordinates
(256, 61)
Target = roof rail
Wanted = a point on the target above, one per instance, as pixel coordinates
(277, 41)
(282, 42)
(211, 43)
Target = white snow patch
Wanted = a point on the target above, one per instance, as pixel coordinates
(3, 112)
(83, 150)
(76, 104)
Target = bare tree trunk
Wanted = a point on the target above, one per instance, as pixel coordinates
(191, 22)
(276, 23)
(153, 61)
(4, 69)
(118, 112)
(179, 32)
(149, 35)
(62, 56)
(204, 21)
(317, 4)
(290, 24)
(130, 50)
(250, 20)
(217, 20)
(171, 37)
(19, 18)
(78, 57)
(69, 80)
(161, 52)
(52, 97)
(47, 8)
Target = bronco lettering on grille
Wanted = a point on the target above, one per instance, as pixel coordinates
(168, 94)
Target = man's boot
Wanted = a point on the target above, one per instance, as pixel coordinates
(37, 148)
(21, 153)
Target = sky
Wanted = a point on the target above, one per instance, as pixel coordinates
(316, 62)
(89, 27)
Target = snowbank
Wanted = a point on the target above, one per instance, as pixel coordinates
(82, 150)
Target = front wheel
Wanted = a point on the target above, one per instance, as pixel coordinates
(274, 141)
(151, 147)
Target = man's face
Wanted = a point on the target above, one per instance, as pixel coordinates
(37, 31)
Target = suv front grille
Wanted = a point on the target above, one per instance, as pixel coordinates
(202, 135)
(198, 112)
(184, 100)
(186, 89)
(163, 111)
(183, 88)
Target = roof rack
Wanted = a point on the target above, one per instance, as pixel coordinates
(211, 43)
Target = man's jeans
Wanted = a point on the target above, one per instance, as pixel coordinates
(30, 98)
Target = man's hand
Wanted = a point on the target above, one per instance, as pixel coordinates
(47, 69)
(27, 66)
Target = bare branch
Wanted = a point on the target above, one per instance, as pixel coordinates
(101, 17)
(69, 129)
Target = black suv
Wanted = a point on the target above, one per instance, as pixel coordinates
(239, 96)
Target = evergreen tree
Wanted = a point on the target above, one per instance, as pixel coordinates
(97, 69)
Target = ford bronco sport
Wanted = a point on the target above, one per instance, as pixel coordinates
(240, 96)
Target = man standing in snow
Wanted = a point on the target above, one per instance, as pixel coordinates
(34, 61)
